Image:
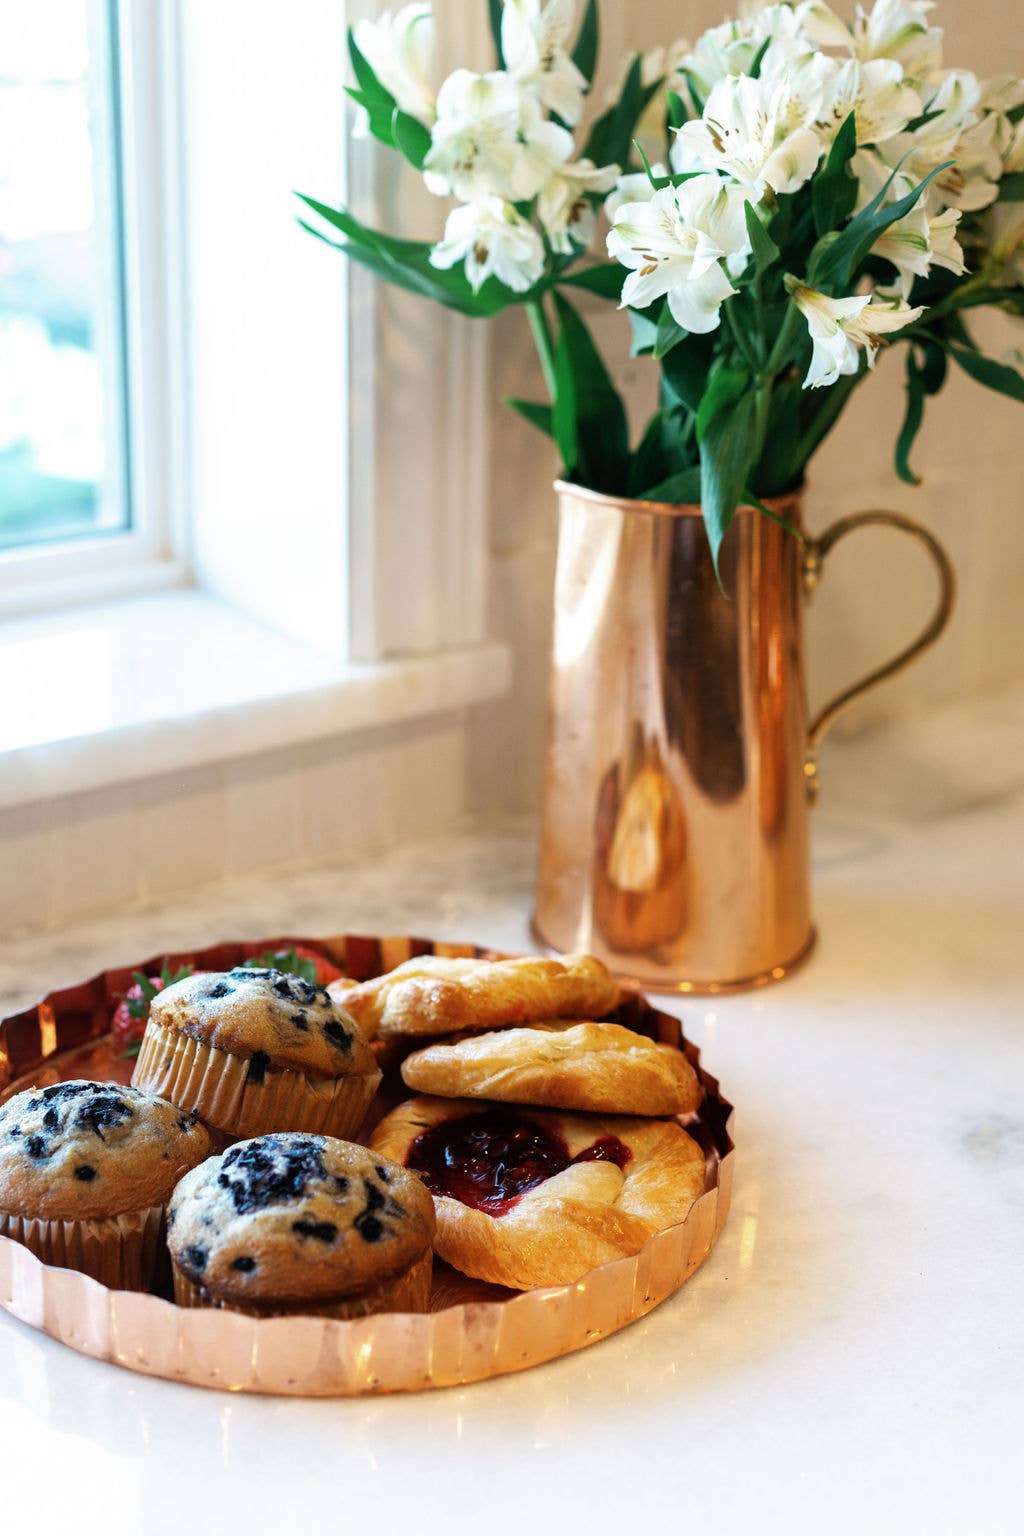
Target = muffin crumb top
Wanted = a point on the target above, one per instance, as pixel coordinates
(293, 1217)
(272, 1017)
(84, 1149)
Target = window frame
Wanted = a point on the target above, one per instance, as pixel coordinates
(144, 126)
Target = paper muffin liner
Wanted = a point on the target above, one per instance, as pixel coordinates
(216, 1085)
(122, 1252)
(409, 1292)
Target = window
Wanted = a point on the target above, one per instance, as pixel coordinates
(90, 417)
(63, 443)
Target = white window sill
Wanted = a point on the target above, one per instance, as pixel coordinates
(172, 681)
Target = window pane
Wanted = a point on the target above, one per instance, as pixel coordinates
(62, 438)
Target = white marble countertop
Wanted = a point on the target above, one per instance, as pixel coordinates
(851, 1356)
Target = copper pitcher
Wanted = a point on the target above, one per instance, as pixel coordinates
(680, 763)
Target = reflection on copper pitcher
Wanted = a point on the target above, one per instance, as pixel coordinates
(640, 851)
(674, 838)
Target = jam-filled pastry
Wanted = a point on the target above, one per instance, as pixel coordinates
(292, 1223)
(435, 995)
(565, 1064)
(530, 1198)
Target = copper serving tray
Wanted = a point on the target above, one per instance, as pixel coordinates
(473, 1331)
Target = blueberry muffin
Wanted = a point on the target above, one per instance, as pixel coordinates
(86, 1170)
(301, 1224)
(251, 1051)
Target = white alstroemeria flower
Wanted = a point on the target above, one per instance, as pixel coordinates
(1002, 93)
(635, 187)
(494, 241)
(490, 140)
(730, 49)
(973, 182)
(916, 243)
(959, 132)
(898, 29)
(1013, 155)
(475, 140)
(533, 41)
(564, 206)
(841, 328)
(1003, 229)
(676, 244)
(879, 96)
(399, 47)
(820, 23)
(747, 131)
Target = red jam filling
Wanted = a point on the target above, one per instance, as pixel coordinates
(490, 1160)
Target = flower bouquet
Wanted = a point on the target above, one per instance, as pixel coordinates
(783, 199)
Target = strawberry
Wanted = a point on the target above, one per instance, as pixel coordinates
(300, 960)
(129, 1022)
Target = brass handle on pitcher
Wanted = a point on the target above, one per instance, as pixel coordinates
(815, 551)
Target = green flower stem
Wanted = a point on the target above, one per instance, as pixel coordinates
(762, 407)
(826, 418)
(740, 340)
(962, 297)
(789, 333)
(543, 341)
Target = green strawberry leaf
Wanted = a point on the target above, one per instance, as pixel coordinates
(282, 960)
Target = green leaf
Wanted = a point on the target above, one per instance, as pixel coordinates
(667, 447)
(366, 77)
(584, 55)
(912, 419)
(406, 263)
(725, 387)
(589, 416)
(726, 454)
(677, 113)
(748, 499)
(612, 134)
(685, 370)
(669, 335)
(834, 189)
(764, 249)
(683, 488)
(758, 59)
(1011, 188)
(842, 258)
(997, 376)
(537, 414)
(494, 9)
(658, 182)
(606, 278)
(380, 115)
(696, 97)
(411, 137)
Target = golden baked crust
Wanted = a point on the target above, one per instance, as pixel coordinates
(435, 995)
(565, 1064)
(81, 1150)
(284, 1219)
(285, 1021)
(586, 1214)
